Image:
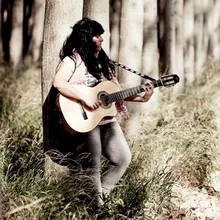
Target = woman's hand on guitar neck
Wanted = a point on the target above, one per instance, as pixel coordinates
(149, 90)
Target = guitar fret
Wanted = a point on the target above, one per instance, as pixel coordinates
(124, 94)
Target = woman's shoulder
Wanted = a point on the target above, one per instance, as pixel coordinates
(70, 63)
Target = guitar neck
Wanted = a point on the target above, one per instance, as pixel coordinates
(113, 97)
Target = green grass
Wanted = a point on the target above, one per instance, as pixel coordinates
(181, 149)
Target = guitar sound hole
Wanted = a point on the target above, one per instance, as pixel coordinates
(104, 99)
(103, 96)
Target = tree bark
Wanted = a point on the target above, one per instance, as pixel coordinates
(179, 46)
(207, 5)
(130, 54)
(99, 11)
(115, 14)
(198, 34)
(161, 35)
(211, 29)
(170, 37)
(37, 32)
(189, 42)
(60, 16)
(150, 59)
(16, 40)
(1, 43)
(214, 31)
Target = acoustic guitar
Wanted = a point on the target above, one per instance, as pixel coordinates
(80, 118)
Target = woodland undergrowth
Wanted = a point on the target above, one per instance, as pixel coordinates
(181, 149)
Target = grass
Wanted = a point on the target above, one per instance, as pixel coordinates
(181, 149)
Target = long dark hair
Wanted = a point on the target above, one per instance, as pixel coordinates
(80, 40)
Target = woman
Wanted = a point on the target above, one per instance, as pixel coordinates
(84, 62)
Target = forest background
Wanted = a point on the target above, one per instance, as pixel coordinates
(173, 137)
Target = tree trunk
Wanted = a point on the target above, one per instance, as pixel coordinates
(170, 37)
(214, 32)
(179, 45)
(189, 42)
(16, 40)
(161, 35)
(115, 14)
(198, 33)
(150, 59)
(37, 32)
(207, 5)
(130, 54)
(99, 11)
(1, 43)
(60, 16)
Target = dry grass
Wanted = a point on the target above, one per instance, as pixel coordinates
(183, 149)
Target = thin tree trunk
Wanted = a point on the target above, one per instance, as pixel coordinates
(115, 14)
(161, 35)
(1, 43)
(207, 5)
(211, 29)
(170, 37)
(198, 33)
(215, 36)
(37, 33)
(150, 59)
(189, 42)
(60, 16)
(179, 46)
(99, 11)
(130, 54)
(16, 40)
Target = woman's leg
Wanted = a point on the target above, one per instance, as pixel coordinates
(89, 151)
(116, 150)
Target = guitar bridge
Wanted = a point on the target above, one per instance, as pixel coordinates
(85, 117)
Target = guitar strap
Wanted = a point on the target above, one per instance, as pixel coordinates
(131, 70)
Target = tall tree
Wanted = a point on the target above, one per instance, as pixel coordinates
(60, 16)
(215, 36)
(16, 40)
(207, 5)
(198, 35)
(150, 59)
(189, 41)
(99, 11)
(38, 11)
(130, 54)
(179, 45)
(170, 44)
(161, 35)
(115, 14)
(1, 46)
(211, 30)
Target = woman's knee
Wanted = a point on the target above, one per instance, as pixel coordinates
(126, 159)
(123, 159)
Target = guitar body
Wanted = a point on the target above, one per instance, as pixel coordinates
(72, 109)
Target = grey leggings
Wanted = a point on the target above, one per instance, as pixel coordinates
(107, 140)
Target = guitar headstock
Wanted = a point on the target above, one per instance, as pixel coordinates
(169, 80)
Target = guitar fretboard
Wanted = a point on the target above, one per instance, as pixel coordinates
(130, 92)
